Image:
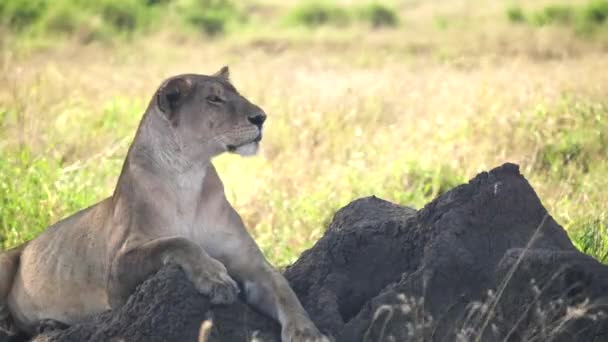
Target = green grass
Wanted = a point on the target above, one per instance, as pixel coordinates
(107, 19)
(320, 13)
(572, 142)
(569, 139)
(36, 191)
(585, 19)
(591, 236)
(573, 139)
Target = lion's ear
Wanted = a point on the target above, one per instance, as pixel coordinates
(172, 93)
(224, 73)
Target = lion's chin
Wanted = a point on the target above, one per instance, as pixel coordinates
(246, 150)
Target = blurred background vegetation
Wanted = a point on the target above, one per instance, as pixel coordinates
(399, 99)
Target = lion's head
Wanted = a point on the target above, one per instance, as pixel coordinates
(208, 113)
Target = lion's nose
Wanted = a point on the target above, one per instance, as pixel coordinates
(257, 119)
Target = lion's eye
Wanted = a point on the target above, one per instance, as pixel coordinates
(214, 99)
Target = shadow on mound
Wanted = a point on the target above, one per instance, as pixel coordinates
(482, 262)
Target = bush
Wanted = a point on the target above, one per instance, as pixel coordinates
(378, 15)
(515, 14)
(62, 18)
(596, 12)
(319, 13)
(313, 14)
(585, 19)
(95, 19)
(121, 15)
(20, 14)
(554, 14)
(211, 16)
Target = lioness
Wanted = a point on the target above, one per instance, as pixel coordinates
(168, 207)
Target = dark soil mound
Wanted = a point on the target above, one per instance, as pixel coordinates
(482, 262)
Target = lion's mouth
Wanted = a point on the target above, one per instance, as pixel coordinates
(248, 144)
(235, 148)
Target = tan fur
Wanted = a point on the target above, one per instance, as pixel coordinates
(168, 207)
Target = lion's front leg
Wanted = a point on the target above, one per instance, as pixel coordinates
(227, 239)
(134, 264)
(269, 291)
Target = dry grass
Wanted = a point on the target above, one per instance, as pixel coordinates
(403, 114)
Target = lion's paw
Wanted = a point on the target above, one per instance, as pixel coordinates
(215, 282)
(302, 331)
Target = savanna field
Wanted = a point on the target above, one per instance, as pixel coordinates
(399, 99)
